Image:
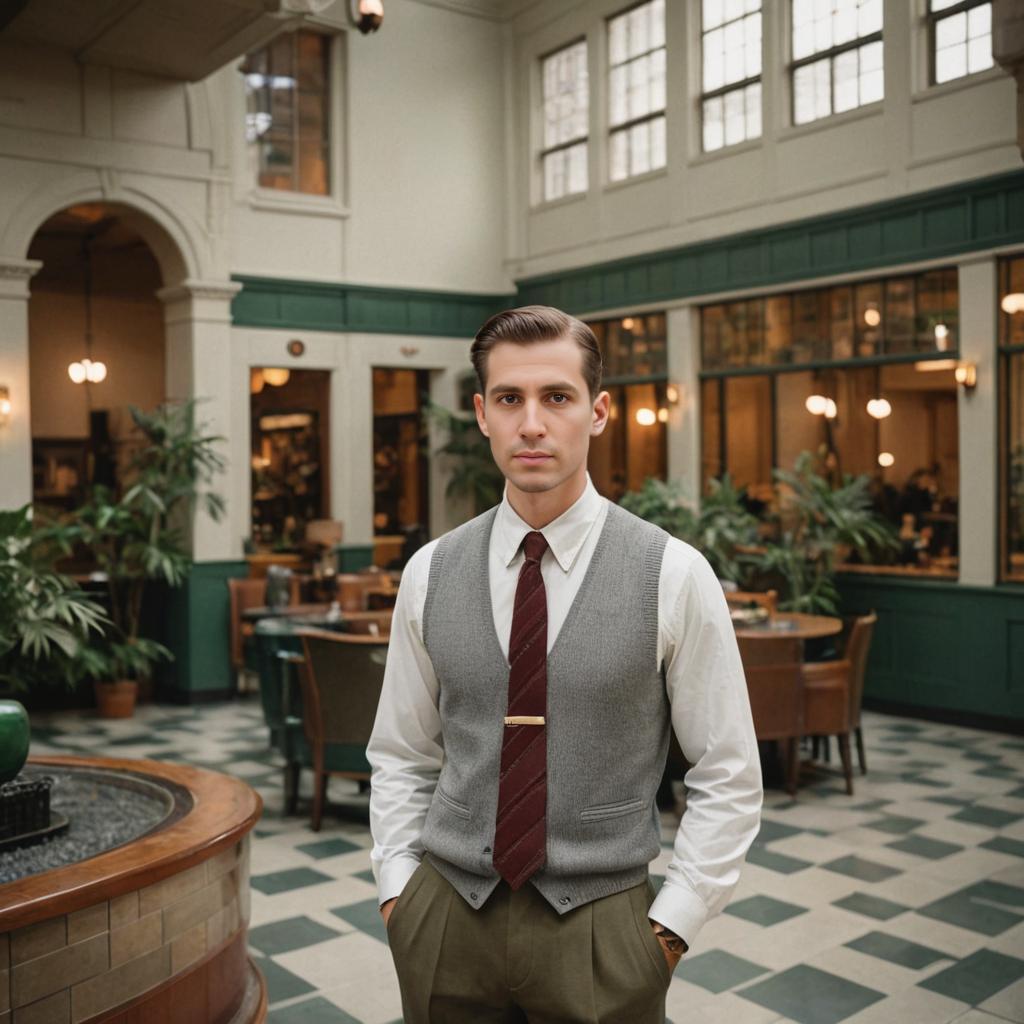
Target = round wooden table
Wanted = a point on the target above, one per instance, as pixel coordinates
(791, 626)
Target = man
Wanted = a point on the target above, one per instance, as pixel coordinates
(539, 656)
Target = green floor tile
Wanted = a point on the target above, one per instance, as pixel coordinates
(1003, 844)
(871, 906)
(365, 916)
(764, 910)
(310, 1011)
(366, 876)
(772, 830)
(997, 771)
(976, 977)
(897, 951)
(990, 817)
(327, 848)
(997, 892)
(860, 868)
(281, 984)
(952, 801)
(980, 755)
(764, 857)
(284, 881)
(894, 824)
(905, 728)
(292, 933)
(811, 996)
(977, 915)
(871, 805)
(922, 846)
(1017, 794)
(717, 970)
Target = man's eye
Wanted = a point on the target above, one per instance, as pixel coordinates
(558, 398)
(507, 399)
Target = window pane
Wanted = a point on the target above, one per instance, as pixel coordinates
(619, 156)
(735, 117)
(640, 148)
(753, 110)
(657, 80)
(819, 24)
(618, 95)
(712, 11)
(714, 126)
(844, 71)
(812, 92)
(1013, 467)
(714, 60)
(748, 433)
(566, 94)
(658, 148)
(711, 432)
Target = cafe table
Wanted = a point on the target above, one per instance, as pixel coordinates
(790, 626)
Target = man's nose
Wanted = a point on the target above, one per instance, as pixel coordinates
(532, 423)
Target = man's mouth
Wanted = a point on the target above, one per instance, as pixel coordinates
(533, 458)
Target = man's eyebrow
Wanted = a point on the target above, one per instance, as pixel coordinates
(513, 389)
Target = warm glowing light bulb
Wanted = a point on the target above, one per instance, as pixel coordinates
(872, 315)
(879, 408)
(76, 371)
(816, 404)
(5, 407)
(646, 417)
(672, 393)
(886, 459)
(96, 372)
(941, 337)
(831, 412)
(276, 376)
(663, 415)
(1013, 303)
(627, 324)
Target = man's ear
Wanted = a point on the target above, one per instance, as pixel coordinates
(602, 407)
(481, 420)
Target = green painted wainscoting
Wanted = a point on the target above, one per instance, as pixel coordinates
(952, 651)
(317, 306)
(197, 632)
(949, 221)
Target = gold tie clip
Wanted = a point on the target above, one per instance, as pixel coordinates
(524, 719)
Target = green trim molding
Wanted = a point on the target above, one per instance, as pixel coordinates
(320, 306)
(943, 645)
(970, 215)
(198, 633)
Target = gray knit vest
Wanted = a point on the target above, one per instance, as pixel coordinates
(607, 717)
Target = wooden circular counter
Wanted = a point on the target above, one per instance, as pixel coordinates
(150, 932)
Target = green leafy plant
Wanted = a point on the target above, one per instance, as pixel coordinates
(143, 534)
(467, 453)
(46, 622)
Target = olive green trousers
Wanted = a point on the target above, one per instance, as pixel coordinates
(517, 960)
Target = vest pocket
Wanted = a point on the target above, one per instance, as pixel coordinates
(454, 805)
(599, 812)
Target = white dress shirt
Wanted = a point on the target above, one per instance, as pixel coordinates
(704, 683)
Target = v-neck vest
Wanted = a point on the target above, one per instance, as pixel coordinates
(607, 717)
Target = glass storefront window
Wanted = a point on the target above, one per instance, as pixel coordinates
(1011, 413)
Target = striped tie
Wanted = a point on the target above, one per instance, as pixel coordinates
(520, 833)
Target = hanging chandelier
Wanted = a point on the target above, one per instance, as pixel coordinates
(87, 370)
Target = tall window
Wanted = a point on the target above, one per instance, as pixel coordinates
(636, 55)
(837, 56)
(731, 47)
(287, 121)
(1011, 413)
(961, 33)
(634, 445)
(566, 110)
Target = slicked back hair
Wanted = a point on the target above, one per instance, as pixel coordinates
(528, 324)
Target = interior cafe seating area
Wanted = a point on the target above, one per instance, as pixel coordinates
(244, 251)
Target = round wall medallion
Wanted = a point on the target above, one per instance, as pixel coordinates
(296, 347)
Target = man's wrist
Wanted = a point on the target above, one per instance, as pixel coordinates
(668, 938)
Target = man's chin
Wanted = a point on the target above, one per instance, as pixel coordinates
(532, 481)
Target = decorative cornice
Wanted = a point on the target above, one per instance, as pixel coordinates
(223, 291)
(19, 270)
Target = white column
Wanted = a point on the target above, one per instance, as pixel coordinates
(684, 417)
(16, 436)
(978, 423)
(197, 323)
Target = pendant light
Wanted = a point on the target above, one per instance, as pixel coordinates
(87, 370)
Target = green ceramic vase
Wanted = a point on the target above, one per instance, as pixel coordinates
(14, 734)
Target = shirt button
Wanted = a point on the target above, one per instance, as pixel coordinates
(564, 900)
(472, 896)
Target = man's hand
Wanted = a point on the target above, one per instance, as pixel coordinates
(386, 908)
(672, 946)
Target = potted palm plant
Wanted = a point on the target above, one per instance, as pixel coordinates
(141, 537)
(45, 622)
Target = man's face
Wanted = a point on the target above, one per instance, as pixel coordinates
(538, 413)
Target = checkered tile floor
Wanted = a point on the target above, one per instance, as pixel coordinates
(903, 904)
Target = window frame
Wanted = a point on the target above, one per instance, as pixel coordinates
(627, 125)
(830, 54)
(1005, 354)
(585, 138)
(933, 18)
(733, 87)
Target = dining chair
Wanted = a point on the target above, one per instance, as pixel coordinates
(775, 687)
(341, 680)
(768, 599)
(242, 594)
(833, 691)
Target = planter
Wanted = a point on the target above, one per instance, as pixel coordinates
(116, 699)
(14, 737)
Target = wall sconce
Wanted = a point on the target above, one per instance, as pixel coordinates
(966, 375)
(5, 405)
(366, 15)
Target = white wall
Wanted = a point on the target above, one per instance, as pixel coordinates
(917, 138)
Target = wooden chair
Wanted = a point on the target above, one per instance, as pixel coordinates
(242, 594)
(341, 682)
(833, 691)
(775, 686)
(768, 599)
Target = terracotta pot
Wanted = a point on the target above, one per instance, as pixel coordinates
(116, 699)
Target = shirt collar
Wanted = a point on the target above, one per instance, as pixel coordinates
(565, 535)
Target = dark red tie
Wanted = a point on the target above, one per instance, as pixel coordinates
(520, 832)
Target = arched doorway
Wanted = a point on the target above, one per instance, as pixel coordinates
(96, 347)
